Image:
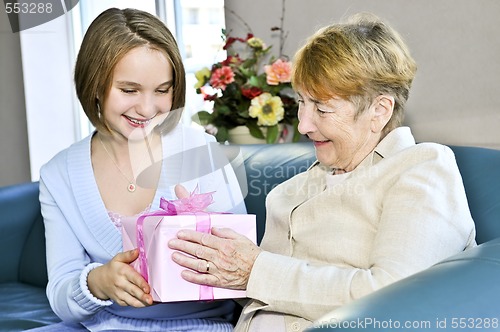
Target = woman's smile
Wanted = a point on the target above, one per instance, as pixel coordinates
(318, 144)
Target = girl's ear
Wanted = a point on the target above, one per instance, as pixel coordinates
(383, 108)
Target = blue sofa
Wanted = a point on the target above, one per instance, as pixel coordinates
(23, 275)
(464, 286)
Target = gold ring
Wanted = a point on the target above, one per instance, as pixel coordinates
(208, 267)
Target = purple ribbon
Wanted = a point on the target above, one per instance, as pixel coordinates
(195, 204)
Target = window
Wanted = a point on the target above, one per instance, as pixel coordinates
(191, 15)
(55, 118)
(203, 44)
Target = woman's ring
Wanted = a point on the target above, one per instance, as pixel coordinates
(208, 267)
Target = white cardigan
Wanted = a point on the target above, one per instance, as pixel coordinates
(79, 232)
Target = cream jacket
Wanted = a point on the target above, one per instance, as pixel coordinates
(400, 211)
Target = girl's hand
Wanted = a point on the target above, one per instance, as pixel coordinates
(181, 191)
(118, 281)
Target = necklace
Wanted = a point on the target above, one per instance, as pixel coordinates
(336, 171)
(131, 187)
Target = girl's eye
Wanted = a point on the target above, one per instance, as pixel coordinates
(128, 91)
(163, 91)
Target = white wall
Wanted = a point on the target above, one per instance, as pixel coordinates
(455, 99)
(456, 95)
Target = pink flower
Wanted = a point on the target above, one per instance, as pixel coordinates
(279, 72)
(221, 77)
(208, 93)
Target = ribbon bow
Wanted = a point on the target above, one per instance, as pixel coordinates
(195, 204)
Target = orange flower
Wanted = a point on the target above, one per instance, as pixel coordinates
(279, 72)
(221, 77)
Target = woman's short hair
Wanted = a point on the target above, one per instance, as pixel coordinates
(110, 36)
(357, 60)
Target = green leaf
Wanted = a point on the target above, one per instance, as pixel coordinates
(223, 110)
(296, 134)
(249, 63)
(222, 134)
(272, 134)
(254, 81)
(246, 72)
(202, 117)
(255, 130)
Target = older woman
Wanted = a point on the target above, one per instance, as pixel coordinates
(374, 208)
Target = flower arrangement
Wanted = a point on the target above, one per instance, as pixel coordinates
(246, 91)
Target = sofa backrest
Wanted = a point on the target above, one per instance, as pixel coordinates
(22, 234)
(480, 169)
(268, 165)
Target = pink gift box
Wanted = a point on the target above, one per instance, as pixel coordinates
(164, 276)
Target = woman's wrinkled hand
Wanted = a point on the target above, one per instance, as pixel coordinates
(223, 258)
(120, 282)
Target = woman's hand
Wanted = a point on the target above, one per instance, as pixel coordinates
(222, 259)
(118, 281)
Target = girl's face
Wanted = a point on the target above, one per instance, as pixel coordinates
(141, 92)
(341, 141)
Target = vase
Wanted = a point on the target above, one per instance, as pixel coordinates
(241, 135)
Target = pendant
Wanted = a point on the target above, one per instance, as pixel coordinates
(131, 187)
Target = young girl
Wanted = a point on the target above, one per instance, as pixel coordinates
(130, 81)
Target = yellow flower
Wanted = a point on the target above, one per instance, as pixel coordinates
(256, 43)
(201, 75)
(267, 109)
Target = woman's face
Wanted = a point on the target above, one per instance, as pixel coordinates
(141, 94)
(341, 141)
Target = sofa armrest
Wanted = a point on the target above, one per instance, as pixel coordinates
(22, 235)
(462, 289)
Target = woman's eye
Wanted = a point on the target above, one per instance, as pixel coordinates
(321, 112)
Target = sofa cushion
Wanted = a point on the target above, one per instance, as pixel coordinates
(23, 307)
